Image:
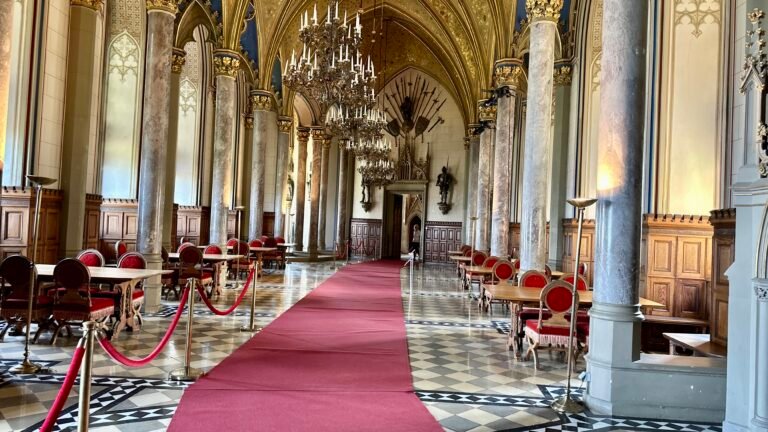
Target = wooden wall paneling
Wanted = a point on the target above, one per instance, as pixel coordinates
(570, 229)
(268, 224)
(723, 253)
(365, 232)
(193, 223)
(439, 238)
(119, 222)
(18, 210)
(662, 290)
(231, 224)
(92, 227)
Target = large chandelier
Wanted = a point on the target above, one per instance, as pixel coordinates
(377, 172)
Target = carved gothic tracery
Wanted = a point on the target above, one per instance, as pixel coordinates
(754, 79)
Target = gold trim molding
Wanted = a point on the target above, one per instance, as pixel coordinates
(486, 113)
(95, 5)
(508, 73)
(178, 59)
(284, 124)
(562, 76)
(262, 100)
(226, 63)
(169, 6)
(302, 135)
(543, 10)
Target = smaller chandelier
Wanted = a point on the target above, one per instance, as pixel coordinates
(377, 173)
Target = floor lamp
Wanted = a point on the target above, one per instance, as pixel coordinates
(26, 366)
(565, 404)
(238, 211)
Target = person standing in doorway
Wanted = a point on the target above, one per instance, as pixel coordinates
(416, 241)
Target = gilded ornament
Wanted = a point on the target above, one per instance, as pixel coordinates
(486, 113)
(508, 75)
(90, 4)
(262, 101)
(178, 58)
(318, 134)
(467, 142)
(562, 76)
(543, 10)
(284, 124)
(302, 135)
(169, 6)
(226, 64)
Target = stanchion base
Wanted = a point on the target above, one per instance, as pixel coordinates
(27, 367)
(253, 329)
(185, 374)
(565, 404)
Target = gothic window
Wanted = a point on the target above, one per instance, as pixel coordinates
(188, 144)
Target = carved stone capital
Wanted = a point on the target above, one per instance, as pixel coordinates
(486, 113)
(302, 135)
(168, 6)
(467, 142)
(761, 289)
(262, 100)
(284, 124)
(226, 63)
(90, 4)
(326, 143)
(508, 73)
(178, 58)
(562, 75)
(318, 134)
(472, 130)
(543, 10)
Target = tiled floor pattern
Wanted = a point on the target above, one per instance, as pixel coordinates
(461, 367)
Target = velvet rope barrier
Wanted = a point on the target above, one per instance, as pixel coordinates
(126, 361)
(66, 388)
(213, 309)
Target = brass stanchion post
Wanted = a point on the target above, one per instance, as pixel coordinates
(252, 327)
(188, 373)
(564, 403)
(84, 397)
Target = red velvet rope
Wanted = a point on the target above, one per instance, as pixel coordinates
(126, 361)
(66, 387)
(213, 309)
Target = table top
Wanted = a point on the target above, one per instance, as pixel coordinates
(557, 274)
(286, 245)
(107, 273)
(697, 342)
(509, 292)
(455, 252)
(210, 257)
(460, 258)
(252, 248)
(478, 269)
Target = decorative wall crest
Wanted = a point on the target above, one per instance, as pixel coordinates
(754, 76)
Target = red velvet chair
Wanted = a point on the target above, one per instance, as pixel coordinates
(277, 257)
(185, 245)
(531, 279)
(279, 240)
(242, 265)
(503, 271)
(169, 282)
(553, 332)
(16, 271)
(583, 268)
(135, 260)
(190, 267)
(120, 249)
(91, 258)
(582, 285)
(479, 278)
(73, 307)
(255, 243)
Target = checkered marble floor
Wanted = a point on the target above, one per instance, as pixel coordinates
(461, 368)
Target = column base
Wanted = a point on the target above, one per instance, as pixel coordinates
(153, 289)
(759, 424)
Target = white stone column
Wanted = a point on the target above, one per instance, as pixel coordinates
(508, 76)
(760, 418)
(264, 132)
(318, 139)
(558, 184)
(341, 205)
(301, 186)
(154, 139)
(226, 64)
(543, 15)
(77, 137)
(6, 23)
(283, 138)
(487, 115)
(615, 314)
(323, 195)
(177, 63)
(472, 142)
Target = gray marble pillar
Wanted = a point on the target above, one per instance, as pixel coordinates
(487, 115)
(615, 314)
(321, 218)
(473, 141)
(283, 138)
(558, 183)
(154, 140)
(318, 139)
(264, 132)
(177, 63)
(301, 186)
(78, 130)
(226, 64)
(543, 15)
(509, 74)
(6, 23)
(341, 203)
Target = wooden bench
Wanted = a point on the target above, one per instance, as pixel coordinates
(654, 327)
(699, 343)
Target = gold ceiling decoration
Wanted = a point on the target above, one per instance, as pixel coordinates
(90, 4)
(169, 6)
(262, 100)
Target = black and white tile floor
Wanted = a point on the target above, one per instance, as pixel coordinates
(461, 368)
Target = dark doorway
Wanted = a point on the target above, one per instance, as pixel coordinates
(393, 229)
(414, 235)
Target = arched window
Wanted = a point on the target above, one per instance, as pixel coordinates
(188, 143)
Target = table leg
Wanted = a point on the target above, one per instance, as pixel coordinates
(513, 340)
(671, 348)
(125, 299)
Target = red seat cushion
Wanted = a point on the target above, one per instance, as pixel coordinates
(61, 291)
(582, 328)
(42, 302)
(533, 314)
(546, 330)
(137, 294)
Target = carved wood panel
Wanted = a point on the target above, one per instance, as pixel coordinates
(119, 222)
(689, 298)
(570, 231)
(662, 255)
(92, 228)
(439, 238)
(723, 246)
(18, 209)
(268, 226)
(365, 240)
(662, 290)
(193, 224)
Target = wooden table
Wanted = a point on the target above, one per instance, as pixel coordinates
(455, 252)
(459, 260)
(123, 279)
(699, 343)
(259, 252)
(519, 296)
(557, 275)
(217, 260)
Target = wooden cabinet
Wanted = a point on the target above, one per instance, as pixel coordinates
(92, 226)
(723, 253)
(119, 222)
(193, 223)
(365, 238)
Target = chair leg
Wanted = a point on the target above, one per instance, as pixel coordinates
(534, 349)
(57, 332)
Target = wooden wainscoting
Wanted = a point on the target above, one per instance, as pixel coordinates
(18, 211)
(678, 264)
(570, 231)
(92, 227)
(723, 253)
(365, 232)
(439, 238)
(514, 239)
(268, 224)
(231, 224)
(193, 223)
(119, 221)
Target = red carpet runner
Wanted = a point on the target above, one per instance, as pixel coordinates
(336, 361)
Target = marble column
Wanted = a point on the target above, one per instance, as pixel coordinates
(177, 63)
(283, 137)
(615, 314)
(78, 133)
(558, 184)
(226, 64)
(318, 140)
(6, 22)
(341, 203)
(509, 74)
(472, 140)
(154, 139)
(487, 115)
(323, 195)
(543, 15)
(264, 132)
(301, 186)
